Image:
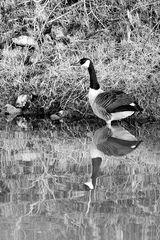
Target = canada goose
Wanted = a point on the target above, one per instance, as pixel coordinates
(114, 141)
(111, 105)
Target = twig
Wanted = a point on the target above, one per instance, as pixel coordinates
(85, 9)
(48, 18)
(144, 5)
(96, 16)
(150, 35)
(74, 5)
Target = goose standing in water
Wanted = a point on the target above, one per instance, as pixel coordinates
(109, 106)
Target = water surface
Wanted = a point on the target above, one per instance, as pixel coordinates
(79, 181)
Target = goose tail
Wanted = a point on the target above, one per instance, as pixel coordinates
(137, 107)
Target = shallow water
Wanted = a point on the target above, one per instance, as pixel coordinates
(79, 181)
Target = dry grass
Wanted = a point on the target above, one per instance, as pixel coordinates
(122, 39)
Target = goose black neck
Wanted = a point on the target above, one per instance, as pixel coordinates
(93, 78)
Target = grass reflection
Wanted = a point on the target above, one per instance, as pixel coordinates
(43, 171)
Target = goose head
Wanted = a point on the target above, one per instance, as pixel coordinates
(84, 62)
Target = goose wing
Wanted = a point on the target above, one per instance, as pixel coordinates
(114, 101)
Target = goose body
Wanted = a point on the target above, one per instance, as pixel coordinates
(111, 105)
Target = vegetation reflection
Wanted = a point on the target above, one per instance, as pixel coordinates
(78, 181)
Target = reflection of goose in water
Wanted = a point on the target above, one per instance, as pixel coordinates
(113, 141)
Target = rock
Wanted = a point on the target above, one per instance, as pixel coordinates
(59, 115)
(25, 41)
(21, 100)
(22, 123)
(9, 109)
(55, 117)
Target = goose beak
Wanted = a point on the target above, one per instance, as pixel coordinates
(76, 64)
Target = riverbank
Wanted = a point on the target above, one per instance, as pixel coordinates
(122, 40)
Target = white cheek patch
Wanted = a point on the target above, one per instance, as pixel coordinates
(86, 64)
(132, 104)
